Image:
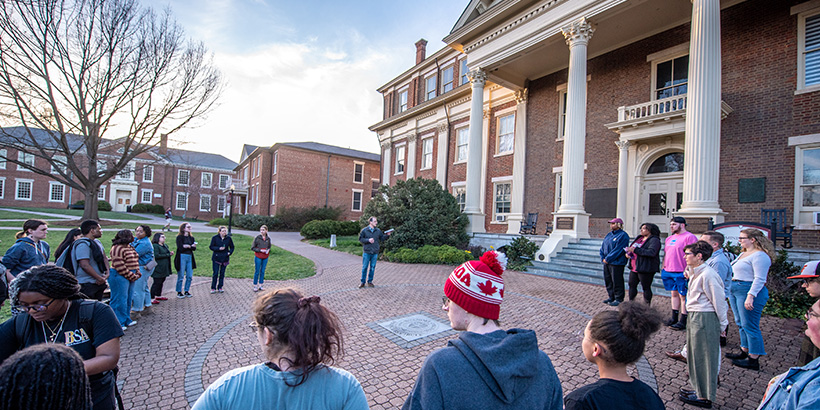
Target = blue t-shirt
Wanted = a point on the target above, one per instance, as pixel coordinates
(82, 250)
(259, 387)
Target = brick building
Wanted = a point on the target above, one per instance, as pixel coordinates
(583, 111)
(191, 183)
(305, 174)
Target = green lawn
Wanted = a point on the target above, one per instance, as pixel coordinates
(23, 215)
(72, 212)
(106, 228)
(5, 311)
(349, 244)
(282, 265)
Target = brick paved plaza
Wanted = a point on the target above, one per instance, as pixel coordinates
(183, 345)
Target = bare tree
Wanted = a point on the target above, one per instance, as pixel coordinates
(70, 70)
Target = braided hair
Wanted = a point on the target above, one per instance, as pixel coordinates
(43, 376)
(49, 280)
(311, 332)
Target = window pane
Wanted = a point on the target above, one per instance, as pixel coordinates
(811, 195)
(657, 204)
(463, 70)
(813, 67)
(811, 166)
(431, 88)
(681, 70)
(664, 76)
(668, 163)
(502, 198)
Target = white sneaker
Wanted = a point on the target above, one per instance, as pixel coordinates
(124, 328)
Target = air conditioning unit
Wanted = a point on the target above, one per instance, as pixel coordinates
(816, 218)
(501, 218)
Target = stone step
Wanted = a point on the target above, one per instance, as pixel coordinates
(587, 275)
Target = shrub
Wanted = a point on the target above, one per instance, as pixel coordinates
(429, 254)
(253, 222)
(294, 218)
(786, 297)
(218, 222)
(520, 253)
(323, 229)
(101, 205)
(148, 209)
(421, 211)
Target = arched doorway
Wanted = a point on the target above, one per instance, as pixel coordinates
(662, 190)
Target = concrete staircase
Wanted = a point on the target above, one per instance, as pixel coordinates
(581, 262)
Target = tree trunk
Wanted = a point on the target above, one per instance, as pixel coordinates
(91, 207)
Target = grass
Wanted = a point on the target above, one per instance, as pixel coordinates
(5, 311)
(106, 227)
(349, 244)
(23, 215)
(71, 212)
(282, 265)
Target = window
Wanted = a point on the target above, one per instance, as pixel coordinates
(207, 177)
(671, 77)
(427, 153)
(460, 192)
(182, 177)
(668, 163)
(23, 189)
(246, 175)
(275, 162)
(808, 71)
(127, 172)
(431, 87)
(463, 70)
(358, 172)
(147, 195)
(148, 173)
(447, 79)
(102, 166)
(224, 181)
(502, 201)
(506, 134)
(205, 203)
(2, 188)
(182, 201)
(3, 156)
(273, 193)
(25, 158)
(562, 114)
(101, 193)
(810, 182)
(462, 138)
(559, 181)
(402, 101)
(59, 161)
(56, 192)
(220, 203)
(400, 150)
(357, 200)
(374, 187)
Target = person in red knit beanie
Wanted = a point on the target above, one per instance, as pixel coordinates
(500, 369)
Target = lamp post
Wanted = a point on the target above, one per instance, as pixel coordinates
(230, 209)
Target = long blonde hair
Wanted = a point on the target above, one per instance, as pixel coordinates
(761, 242)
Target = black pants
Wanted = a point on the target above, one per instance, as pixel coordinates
(156, 287)
(92, 290)
(614, 280)
(219, 275)
(646, 283)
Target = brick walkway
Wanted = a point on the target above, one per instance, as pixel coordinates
(183, 345)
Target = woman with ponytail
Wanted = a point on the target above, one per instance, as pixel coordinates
(301, 339)
(614, 339)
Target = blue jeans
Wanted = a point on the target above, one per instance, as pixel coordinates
(259, 273)
(369, 259)
(186, 270)
(141, 295)
(748, 321)
(121, 292)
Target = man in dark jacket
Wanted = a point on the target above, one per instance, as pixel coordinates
(613, 257)
(485, 367)
(371, 237)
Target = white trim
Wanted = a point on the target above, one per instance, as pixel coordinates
(224, 203)
(63, 158)
(17, 183)
(150, 193)
(459, 183)
(210, 204)
(669, 53)
(51, 186)
(202, 179)
(807, 12)
(273, 193)
(21, 157)
(804, 139)
(176, 201)
(505, 112)
(423, 153)
(556, 170)
(275, 161)
(403, 146)
(353, 200)
(145, 168)
(466, 129)
(2, 187)
(188, 179)
(354, 172)
(502, 179)
(510, 112)
(227, 183)
(3, 161)
(101, 193)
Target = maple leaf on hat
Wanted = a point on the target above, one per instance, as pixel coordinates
(487, 288)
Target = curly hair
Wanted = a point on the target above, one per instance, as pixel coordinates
(761, 242)
(624, 332)
(44, 376)
(123, 237)
(49, 280)
(311, 332)
(147, 230)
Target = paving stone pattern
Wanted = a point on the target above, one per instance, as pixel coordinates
(183, 345)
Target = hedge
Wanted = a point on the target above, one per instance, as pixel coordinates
(429, 254)
(324, 228)
(148, 209)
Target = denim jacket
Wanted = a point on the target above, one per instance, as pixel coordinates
(798, 388)
(25, 254)
(144, 249)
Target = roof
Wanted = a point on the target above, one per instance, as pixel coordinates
(196, 158)
(247, 150)
(331, 149)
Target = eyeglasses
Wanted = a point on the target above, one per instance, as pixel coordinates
(688, 253)
(740, 238)
(255, 326)
(810, 314)
(37, 308)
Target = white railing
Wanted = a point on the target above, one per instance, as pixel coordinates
(239, 184)
(667, 105)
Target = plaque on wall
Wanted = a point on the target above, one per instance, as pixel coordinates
(601, 203)
(751, 190)
(565, 223)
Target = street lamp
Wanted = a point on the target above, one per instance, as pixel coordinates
(230, 209)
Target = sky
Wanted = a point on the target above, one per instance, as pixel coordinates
(305, 70)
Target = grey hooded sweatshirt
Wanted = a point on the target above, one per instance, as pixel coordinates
(498, 370)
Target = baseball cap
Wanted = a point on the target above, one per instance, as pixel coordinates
(809, 271)
(616, 221)
(679, 219)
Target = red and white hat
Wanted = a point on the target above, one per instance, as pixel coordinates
(477, 287)
(810, 270)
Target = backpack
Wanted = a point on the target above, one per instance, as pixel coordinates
(66, 259)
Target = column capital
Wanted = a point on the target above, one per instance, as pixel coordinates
(443, 128)
(386, 144)
(578, 32)
(623, 145)
(477, 77)
(411, 136)
(521, 96)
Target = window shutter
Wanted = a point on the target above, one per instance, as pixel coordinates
(813, 50)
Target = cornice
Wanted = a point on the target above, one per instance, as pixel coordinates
(527, 16)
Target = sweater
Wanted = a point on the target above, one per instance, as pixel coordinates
(752, 268)
(706, 293)
(124, 259)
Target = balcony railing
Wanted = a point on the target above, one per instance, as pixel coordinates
(667, 105)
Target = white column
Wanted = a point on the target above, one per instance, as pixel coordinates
(519, 164)
(411, 155)
(441, 154)
(701, 167)
(472, 205)
(387, 149)
(571, 222)
(623, 157)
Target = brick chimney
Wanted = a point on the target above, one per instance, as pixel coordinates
(163, 144)
(421, 50)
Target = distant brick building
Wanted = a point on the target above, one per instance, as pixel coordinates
(191, 183)
(583, 112)
(305, 174)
